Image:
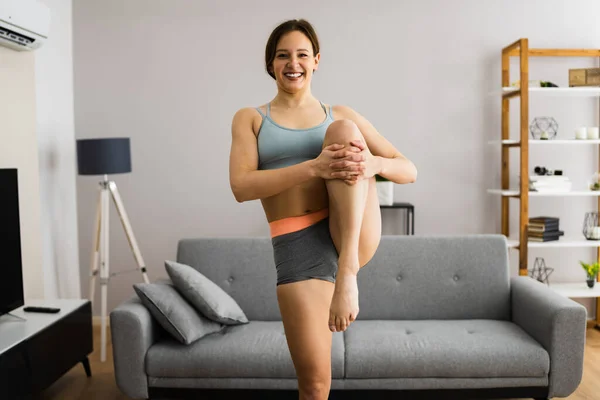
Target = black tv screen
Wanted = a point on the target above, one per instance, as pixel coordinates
(11, 269)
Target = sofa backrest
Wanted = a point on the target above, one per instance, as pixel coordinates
(410, 277)
(437, 277)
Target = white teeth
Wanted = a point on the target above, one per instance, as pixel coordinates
(296, 75)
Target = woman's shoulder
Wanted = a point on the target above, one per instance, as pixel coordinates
(249, 114)
(249, 111)
(340, 111)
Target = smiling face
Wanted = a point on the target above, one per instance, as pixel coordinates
(294, 62)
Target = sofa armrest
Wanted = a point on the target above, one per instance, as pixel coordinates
(558, 324)
(133, 331)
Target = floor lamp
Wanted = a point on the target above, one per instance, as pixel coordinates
(105, 157)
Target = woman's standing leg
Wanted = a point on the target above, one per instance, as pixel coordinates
(304, 308)
(355, 226)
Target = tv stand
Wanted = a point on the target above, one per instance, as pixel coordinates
(39, 348)
(16, 316)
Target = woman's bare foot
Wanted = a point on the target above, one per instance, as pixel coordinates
(344, 304)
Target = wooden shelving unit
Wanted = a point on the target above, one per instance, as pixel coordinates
(521, 49)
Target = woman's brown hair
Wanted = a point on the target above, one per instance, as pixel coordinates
(291, 25)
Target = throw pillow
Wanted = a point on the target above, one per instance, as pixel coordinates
(205, 295)
(174, 313)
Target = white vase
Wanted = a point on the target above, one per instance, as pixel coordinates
(385, 192)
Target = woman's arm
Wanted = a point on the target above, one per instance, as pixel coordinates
(392, 164)
(248, 183)
(398, 169)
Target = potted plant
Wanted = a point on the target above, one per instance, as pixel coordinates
(591, 271)
(385, 190)
(594, 182)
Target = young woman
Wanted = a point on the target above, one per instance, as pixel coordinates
(312, 165)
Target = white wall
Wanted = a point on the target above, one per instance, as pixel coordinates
(171, 75)
(37, 130)
(18, 149)
(56, 144)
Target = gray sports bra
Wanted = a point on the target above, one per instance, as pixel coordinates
(280, 147)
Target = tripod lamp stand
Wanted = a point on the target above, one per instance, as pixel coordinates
(104, 157)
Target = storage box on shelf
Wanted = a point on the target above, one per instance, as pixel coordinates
(584, 77)
(520, 49)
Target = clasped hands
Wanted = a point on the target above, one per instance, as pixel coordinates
(349, 163)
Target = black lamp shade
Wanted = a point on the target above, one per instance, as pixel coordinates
(103, 156)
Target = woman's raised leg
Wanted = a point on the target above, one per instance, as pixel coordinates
(304, 308)
(355, 226)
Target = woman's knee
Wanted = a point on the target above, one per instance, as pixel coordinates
(314, 389)
(342, 131)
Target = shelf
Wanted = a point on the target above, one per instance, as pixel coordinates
(592, 91)
(563, 242)
(578, 289)
(515, 193)
(532, 92)
(514, 142)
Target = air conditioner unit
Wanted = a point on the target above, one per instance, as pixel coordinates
(24, 24)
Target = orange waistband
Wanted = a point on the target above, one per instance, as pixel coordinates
(293, 224)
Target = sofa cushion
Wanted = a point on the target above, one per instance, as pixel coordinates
(254, 350)
(202, 293)
(442, 349)
(243, 267)
(174, 313)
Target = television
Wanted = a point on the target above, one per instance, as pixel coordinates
(11, 268)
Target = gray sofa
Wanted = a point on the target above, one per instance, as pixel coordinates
(440, 317)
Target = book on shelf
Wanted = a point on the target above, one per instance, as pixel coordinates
(543, 229)
(545, 237)
(549, 227)
(544, 219)
(549, 183)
